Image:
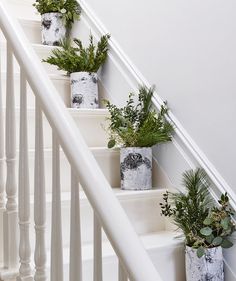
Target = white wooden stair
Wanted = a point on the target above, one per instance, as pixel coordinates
(142, 207)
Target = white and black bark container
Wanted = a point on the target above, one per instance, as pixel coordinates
(208, 267)
(53, 29)
(136, 168)
(84, 90)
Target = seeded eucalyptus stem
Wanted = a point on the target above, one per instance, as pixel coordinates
(203, 224)
(69, 9)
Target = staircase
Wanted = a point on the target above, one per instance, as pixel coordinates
(96, 251)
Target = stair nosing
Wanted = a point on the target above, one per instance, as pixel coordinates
(108, 252)
(25, 21)
(74, 111)
(120, 194)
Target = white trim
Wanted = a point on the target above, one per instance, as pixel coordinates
(231, 276)
(134, 77)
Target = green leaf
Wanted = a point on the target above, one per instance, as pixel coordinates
(200, 252)
(217, 241)
(210, 238)
(222, 197)
(207, 221)
(111, 143)
(225, 223)
(206, 231)
(226, 244)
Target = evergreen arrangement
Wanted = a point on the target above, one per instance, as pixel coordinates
(137, 125)
(79, 58)
(70, 9)
(204, 225)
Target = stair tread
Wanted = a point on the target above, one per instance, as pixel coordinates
(89, 112)
(15, 5)
(94, 149)
(24, 2)
(150, 241)
(46, 48)
(36, 20)
(52, 76)
(120, 194)
(74, 111)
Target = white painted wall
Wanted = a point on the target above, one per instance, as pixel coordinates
(188, 49)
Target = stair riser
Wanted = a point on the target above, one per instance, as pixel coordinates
(144, 214)
(105, 161)
(168, 261)
(110, 270)
(61, 83)
(62, 86)
(42, 52)
(89, 125)
(32, 30)
(108, 161)
(24, 6)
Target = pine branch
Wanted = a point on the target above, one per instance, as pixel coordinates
(78, 58)
(138, 125)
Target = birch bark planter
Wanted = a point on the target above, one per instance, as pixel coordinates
(208, 267)
(84, 90)
(53, 29)
(136, 168)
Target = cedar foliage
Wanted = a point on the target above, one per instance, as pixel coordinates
(79, 58)
(70, 9)
(138, 125)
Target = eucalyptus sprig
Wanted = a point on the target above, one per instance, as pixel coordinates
(204, 225)
(79, 58)
(138, 125)
(69, 9)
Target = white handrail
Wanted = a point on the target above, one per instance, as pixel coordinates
(111, 215)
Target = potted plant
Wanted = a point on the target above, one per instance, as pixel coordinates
(136, 128)
(82, 65)
(205, 226)
(57, 17)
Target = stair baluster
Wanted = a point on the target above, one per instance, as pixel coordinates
(56, 234)
(75, 232)
(122, 273)
(107, 209)
(2, 178)
(39, 199)
(10, 218)
(97, 267)
(25, 273)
